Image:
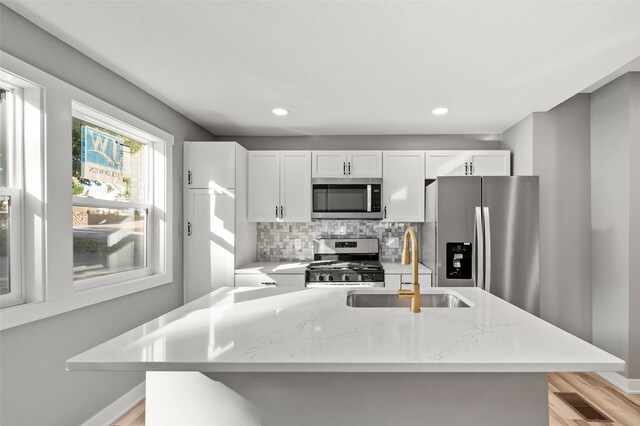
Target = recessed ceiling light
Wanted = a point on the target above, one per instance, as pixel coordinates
(440, 111)
(280, 111)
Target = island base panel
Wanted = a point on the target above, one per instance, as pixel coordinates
(347, 398)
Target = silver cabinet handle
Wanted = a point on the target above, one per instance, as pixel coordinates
(189, 177)
(479, 249)
(487, 230)
(188, 229)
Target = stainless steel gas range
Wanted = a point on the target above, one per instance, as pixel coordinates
(345, 262)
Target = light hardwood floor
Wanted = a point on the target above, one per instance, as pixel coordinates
(133, 417)
(623, 409)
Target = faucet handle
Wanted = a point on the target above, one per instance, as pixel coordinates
(404, 294)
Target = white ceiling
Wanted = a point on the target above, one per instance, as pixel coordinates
(351, 67)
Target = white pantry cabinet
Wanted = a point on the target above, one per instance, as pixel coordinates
(279, 186)
(467, 163)
(217, 235)
(209, 165)
(346, 164)
(403, 186)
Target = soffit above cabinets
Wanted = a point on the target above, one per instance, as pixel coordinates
(351, 67)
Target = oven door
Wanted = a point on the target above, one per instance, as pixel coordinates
(346, 199)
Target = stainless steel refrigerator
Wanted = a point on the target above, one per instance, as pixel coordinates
(483, 231)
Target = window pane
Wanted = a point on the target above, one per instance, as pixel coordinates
(5, 284)
(106, 241)
(107, 165)
(4, 129)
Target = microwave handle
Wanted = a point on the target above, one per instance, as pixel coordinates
(368, 198)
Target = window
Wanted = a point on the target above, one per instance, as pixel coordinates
(11, 283)
(113, 207)
(73, 237)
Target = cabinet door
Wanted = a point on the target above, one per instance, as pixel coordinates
(209, 164)
(295, 186)
(364, 164)
(403, 186)
(329, 164)
(264, 186)
(209, 241)
(490, 163)
(271, 280)
(445, 163)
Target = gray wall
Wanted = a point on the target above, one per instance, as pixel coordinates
(378, 142)
(35, 388)
(561, 157)
(519, 140)
(555, 146)
(615, 196)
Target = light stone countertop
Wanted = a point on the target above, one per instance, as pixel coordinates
(313, 330)
(298, 267)
(283, 267)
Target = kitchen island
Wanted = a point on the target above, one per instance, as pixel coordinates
(286, 356)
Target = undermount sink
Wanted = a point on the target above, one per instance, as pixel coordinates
(391, 300)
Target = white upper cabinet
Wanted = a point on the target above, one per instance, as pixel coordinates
(329, 164)
(490, 163)
(264, 186)
(209, 165)
(403, 186)
(445, 163)
(346, 164)
(279, 186)
(364, 164)
(295, 186)
(467, 163)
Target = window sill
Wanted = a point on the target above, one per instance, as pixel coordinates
(23, 314)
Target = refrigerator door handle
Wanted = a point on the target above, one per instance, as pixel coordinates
(479, 256)
(487, 236)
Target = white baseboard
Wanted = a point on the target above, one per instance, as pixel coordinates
(118, 407)
(621, 382)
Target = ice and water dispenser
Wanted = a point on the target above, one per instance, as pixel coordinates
(459, 261)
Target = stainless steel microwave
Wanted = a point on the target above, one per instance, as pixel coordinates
(346, 198)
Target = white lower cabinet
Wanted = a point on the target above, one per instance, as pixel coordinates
(269, 280)
(392, 281)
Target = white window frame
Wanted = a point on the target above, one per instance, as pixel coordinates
(47, 200)
(13, 190)
(152, 143)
